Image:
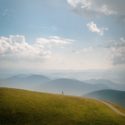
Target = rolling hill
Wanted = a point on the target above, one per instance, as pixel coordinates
(45, 84)
(107, 83)
(28, 79)
(21, 107)
(70, 86)
(113, 96)
(24, 81)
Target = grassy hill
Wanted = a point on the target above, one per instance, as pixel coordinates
(20, 107)
(114, 96)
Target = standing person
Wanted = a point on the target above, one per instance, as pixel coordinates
(62, 92)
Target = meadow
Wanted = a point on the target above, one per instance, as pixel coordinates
(22, 107)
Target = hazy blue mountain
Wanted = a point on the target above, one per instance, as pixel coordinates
(24, 81)
(97, 81)
(103, 82)
(45, 84)
(113, 96)
(108, 83)
(70, 86)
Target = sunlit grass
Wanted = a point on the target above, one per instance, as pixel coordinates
(20, 107)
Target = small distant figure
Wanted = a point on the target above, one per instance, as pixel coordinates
(62, 92)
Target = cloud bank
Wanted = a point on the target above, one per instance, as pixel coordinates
(118, 51)
(16, 47)
(93, 8)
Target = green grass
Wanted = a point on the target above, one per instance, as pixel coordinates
(20, 107)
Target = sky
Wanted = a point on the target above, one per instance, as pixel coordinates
(41, 35)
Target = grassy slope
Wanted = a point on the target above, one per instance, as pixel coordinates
(20, 107)
(114, 96)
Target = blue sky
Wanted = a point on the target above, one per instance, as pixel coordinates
(36, 18)
(62, 34)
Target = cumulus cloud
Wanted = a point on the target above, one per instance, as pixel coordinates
(53, 41)
(16, 47)
(95, 29)
(98, 7)
(118, 51)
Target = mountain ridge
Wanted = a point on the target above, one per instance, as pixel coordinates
(114, 96)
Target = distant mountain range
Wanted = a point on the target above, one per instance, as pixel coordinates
(27, 78)
(24, 81)
(113, 96)
(107, 83)
(68, 86)
(71, 86)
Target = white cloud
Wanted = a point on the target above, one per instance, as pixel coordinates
(98, 7)
(18, 54)
(118, 51)
(93, 28)
(16, 47)
(54, 41)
